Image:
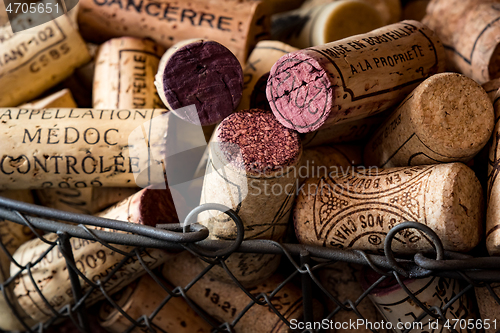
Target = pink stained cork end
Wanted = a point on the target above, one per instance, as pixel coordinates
(254, 141)
(299, 92)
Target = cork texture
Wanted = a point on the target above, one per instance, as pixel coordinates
(471, 35)
(488, 307)
(357, 210)
(447, 118)
(352, 78)
(320, 161)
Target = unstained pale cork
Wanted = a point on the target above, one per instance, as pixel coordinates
(447, 118)
(488, 306)
(357, 210)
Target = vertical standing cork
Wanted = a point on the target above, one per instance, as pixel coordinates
(94, 260)
(81, 148)
(397, 307)
(252, 169)
(389, 10)
(488, 306)
(124, 74)
(200, 72)
(470, 32)
(143, 297)
(224, 302)
(12, 236)
(33, 62)
(354, 77)
(238, 25)
(447, 118)
(259, 63)
(322, 24)
(358, 209)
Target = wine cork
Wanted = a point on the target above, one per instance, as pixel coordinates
(401, 312)
(318, 162)
(60, 99)
(200, 72)
(279, 6)
(142, 298)
(488, 306)
(469, 33)
(322, 24)
(124, 74)
(224, 302)
(389, 10)
(81, 148)
(341, 280)
(259, 63)
(352, 78)
(415, 10)
(492, 88)
(357, 210)
(238, 25)
(356, 130)
(447, 118)
(253, 167)
(12, 236)
(33, 62)
(94, 260)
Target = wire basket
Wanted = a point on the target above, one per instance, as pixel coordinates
(300, 264)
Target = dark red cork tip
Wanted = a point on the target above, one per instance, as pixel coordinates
(157, 207)
(264, 143)
(206, 74)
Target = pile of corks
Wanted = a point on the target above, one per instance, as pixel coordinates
(320, 122)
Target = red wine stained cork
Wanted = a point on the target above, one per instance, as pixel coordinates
(81, 148)
(469, 30)
(447, 118)
(124, 74)
(396, 307)
(352, 78)
(143, 297)
(238, 25)
(95, 261)
(259, 63)
(341, 280)
(415, 10)
(12, 235)
(320, 161)
(253, 167)
(357, 210)
(488, 306)
(200, 72)
(322, 24)
(31, 63)
(389, 10)
(224, 302)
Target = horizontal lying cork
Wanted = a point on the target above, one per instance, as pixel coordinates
(322, 161)
(326, 23)
(81, 148)
(469, 33)
(389, 10)
(60, 99)
(357, 210)
(352, 78)
(397, 308)
(492, 88)
(224, 302)
(488, 306)
(124, 74)
(33, 62)
(12, 236)
(447, 118)
(259, 63)
(252, 167)
(200, 72)
(238, 25)
(94, 260)
(142, 298)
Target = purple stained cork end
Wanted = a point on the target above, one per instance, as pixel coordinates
(299, 92)
(206, 74)
(253, 140)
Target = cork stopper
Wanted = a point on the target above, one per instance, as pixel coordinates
(200, 72)
(253, 140)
